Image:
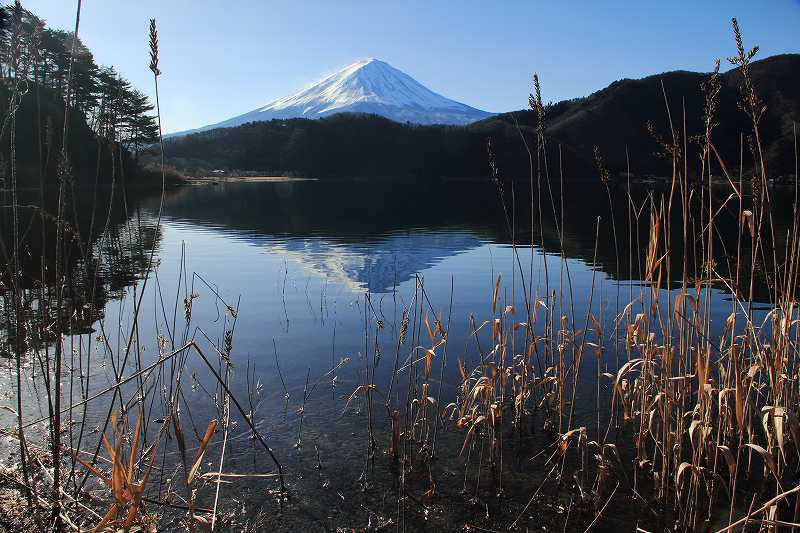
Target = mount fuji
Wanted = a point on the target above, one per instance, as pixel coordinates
(369, 86)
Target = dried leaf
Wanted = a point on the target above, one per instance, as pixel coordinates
(203, 444)
(728, 455)
(769, 461)
(496, 294)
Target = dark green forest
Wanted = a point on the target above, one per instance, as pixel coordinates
(110, 121)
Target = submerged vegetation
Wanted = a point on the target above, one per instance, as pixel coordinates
(692, 422)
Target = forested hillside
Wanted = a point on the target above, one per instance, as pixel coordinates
(109, 120)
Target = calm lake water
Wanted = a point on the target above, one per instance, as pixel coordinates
(301, 261)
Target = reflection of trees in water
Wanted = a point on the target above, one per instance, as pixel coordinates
(98, 266)
(363, 230)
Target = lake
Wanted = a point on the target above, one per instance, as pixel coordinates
(310, 284)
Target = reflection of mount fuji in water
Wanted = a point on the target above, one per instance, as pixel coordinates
(379, 265)
(366, 236)
(376, 234)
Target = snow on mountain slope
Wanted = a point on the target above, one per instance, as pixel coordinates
(369, 86)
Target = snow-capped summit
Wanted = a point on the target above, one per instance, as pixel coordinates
(368, 86)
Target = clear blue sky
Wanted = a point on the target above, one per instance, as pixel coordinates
(223, 58)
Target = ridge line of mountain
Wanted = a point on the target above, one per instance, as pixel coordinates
(366, 86)
(614, 119)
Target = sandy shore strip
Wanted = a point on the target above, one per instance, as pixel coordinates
(247, 179)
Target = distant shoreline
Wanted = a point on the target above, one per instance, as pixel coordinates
(245, 179)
